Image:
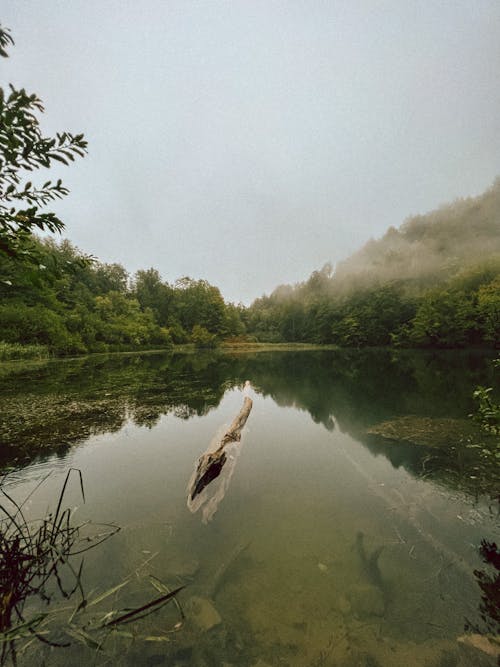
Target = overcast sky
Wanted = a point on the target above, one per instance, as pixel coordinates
(249, 142)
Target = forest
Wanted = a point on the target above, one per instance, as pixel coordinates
(434, 283)
(71, 304)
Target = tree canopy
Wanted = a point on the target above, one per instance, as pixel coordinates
(23, 150)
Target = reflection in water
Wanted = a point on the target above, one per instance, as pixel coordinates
(324, 553)
(69, 401)
(222, 453)
(490, 587)
(486, 635)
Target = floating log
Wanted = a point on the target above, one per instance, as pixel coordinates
(210, 463)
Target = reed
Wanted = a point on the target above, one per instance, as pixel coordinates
(43, 559)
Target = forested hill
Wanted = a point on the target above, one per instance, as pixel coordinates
(434, 282)
(432, 246)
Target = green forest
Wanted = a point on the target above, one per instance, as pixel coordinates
(73, 305)
(435, 282)
(460, 312)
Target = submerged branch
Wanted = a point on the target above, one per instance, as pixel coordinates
(210, 463)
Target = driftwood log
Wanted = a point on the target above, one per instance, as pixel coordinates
(210, 463)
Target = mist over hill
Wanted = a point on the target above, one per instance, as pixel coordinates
(436, 245)
(434, 282)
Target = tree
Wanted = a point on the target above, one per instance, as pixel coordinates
(152, 293)
(23, 149)
(202, 338)
(488, 303)
(198, 302)
(444, 318)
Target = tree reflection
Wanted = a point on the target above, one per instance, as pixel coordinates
(352, 390)
(74, 400)
(488, 581)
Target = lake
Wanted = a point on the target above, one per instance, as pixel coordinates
(345, 527)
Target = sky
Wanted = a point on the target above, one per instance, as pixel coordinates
(249, 142)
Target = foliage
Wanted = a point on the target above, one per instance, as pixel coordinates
(77, 306)
(488, 581)
(463, 311)
(429, 248)
(17, 351)
(202, 338)
(24, 149)
(434, 282)
(488, 306)
(487, 448)
(488, 411)
(41, 564)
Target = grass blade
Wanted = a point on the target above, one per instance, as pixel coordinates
(131, 615)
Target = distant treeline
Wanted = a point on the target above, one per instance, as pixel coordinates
(435, 282)
(460, 312)
(73, 305)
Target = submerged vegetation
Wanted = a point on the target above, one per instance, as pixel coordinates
(41, 566)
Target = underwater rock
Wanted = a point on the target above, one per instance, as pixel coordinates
(367, 600)
(482, 643)
(343, 605)
(203, 613)
(183, 566)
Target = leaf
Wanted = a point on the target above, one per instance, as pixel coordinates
(129, 616)
(55, 156)
(107, 593)
(83, 637)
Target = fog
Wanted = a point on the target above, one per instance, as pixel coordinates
(248, 143)
(443, 242)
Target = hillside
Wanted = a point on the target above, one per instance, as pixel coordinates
(434, 282)
(436, 245)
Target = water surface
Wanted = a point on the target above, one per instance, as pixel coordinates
(327, 546)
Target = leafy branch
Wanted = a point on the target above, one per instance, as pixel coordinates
(24, 149)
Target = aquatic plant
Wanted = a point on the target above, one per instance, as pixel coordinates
(488, 411)
(43, 560)
(33, 555)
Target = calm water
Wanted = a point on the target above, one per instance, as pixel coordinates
(319, 544)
